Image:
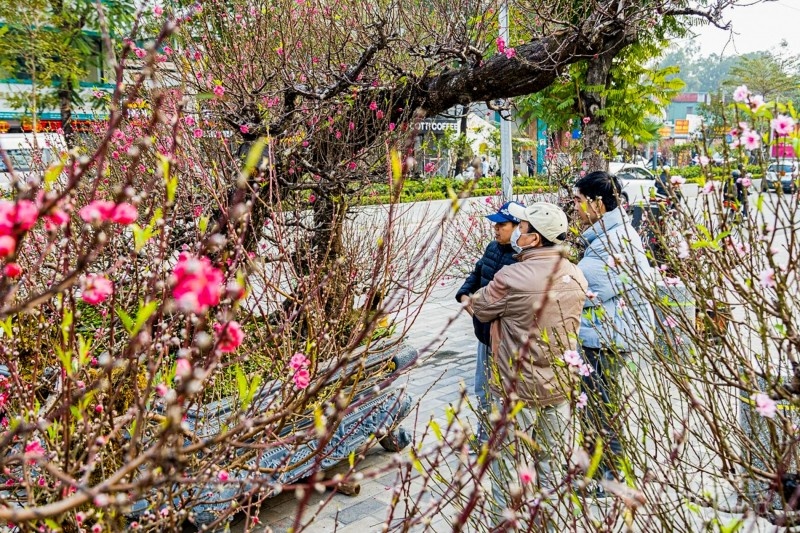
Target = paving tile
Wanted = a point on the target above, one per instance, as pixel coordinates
(368, 508)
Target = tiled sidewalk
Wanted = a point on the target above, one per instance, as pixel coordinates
(447, 366)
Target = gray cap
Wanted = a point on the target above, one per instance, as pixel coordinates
(546, 218)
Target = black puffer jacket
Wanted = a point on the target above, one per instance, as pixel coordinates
(494, 258)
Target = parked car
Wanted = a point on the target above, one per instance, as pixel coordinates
(637, 182)
(28, 152)
(783, 174)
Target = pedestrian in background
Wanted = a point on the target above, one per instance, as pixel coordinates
(498, 254)
(611, 327)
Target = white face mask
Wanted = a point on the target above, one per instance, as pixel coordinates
(514, 238)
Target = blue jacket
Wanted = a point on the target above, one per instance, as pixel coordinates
(614, 256)
(494, 258)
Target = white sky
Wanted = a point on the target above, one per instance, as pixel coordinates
(756, 27)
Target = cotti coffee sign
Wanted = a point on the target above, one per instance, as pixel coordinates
(436, 125)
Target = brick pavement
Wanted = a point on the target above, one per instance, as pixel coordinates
(447, 365)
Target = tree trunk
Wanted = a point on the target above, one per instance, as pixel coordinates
(595, 137)
(65, 107)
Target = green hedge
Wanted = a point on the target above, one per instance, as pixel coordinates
(696, 174)
(437, 195)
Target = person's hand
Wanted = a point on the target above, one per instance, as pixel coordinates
(466, 301)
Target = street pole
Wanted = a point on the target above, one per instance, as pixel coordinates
(506, 162)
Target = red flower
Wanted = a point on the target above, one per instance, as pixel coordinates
(12, 270)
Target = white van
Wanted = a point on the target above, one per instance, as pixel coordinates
(29, 155)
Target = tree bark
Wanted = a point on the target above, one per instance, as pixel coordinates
(595, 137)
(65, 108)
(536, 66)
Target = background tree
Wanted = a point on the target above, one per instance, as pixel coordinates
(630, 95)
(703, 74)
(54, 43)
(775, 76)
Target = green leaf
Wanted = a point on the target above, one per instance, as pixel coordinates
(84, 350)
(145, 312)
(254, 156)
(517, 408)
(52, 173)
(241, 383)
(731, 527)
(436, 430)
(171, 183)
(202, 224)
(66, 324)
(596, 458)
(320, 426)
(127, 320)
(65, 357)
(8, 329)
(52, 524)
(142, 235)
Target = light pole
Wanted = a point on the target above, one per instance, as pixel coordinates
(506, 162)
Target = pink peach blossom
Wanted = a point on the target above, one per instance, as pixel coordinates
(301, 378)
(751, 140)
(124, 213)
(740, 93)
(767, 278)
(97, 211)
(12, 270)
(183, 368)
(230, 336)
(19, 216)
(7, 245)
(198, 285)
(573, 358)
(96, 289)
(527, 475)
(582, 401)
(765, 406)
(299, 361)
(56, 218)
(783, 125)
(756, 102)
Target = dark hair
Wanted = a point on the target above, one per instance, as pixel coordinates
(600, 184)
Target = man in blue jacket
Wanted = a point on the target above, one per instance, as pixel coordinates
(498, 254)
(611, 326)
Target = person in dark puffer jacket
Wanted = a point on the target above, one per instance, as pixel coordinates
(498, 254)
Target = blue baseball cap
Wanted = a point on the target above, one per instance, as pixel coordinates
(503, 214)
